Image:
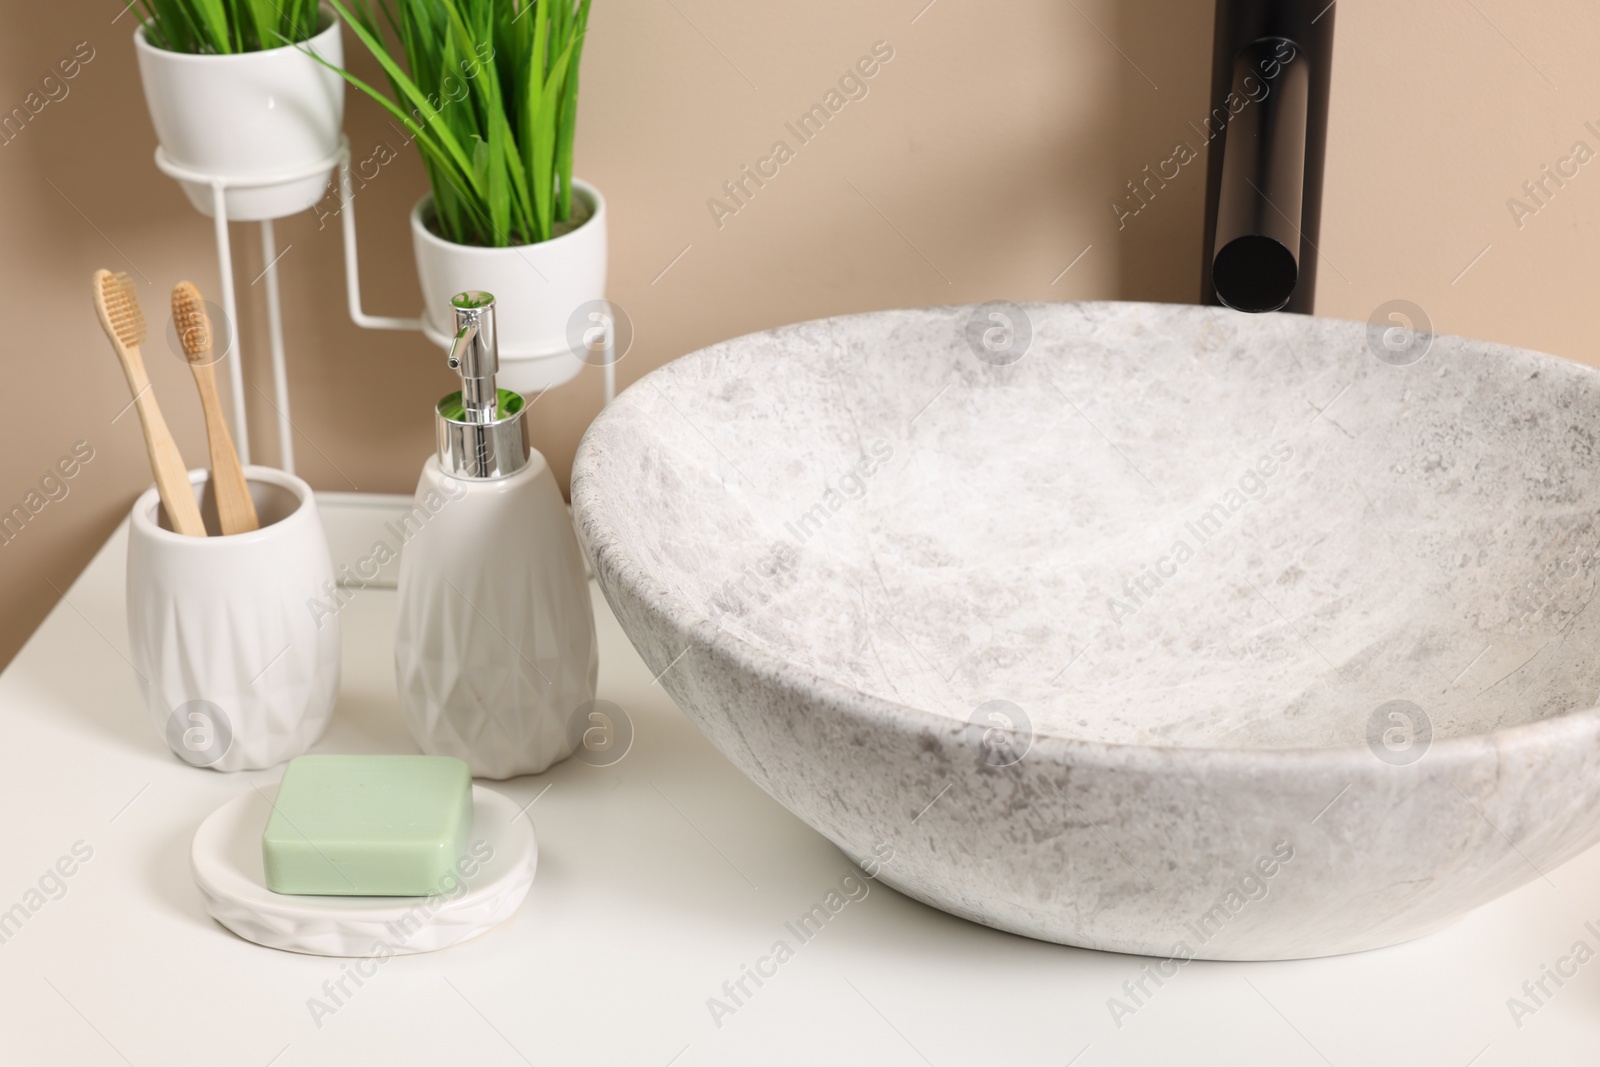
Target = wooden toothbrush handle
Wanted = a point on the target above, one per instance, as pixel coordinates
(235, 509)
(172, 477)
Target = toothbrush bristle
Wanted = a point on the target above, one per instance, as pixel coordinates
(121, 302)
(190, 318)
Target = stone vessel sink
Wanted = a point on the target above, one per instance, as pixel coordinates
(1148, 628)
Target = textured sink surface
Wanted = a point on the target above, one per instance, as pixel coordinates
(1081, 645)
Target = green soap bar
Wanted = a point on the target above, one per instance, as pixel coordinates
(368, 826)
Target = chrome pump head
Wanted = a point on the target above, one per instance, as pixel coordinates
(481, 431)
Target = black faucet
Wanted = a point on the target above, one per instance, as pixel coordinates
(1269, 99)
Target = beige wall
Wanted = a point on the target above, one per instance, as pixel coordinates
(982, 161)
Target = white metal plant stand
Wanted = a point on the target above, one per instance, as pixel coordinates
(352, 266)
(219, 185)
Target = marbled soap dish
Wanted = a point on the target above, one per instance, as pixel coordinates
(495, 874)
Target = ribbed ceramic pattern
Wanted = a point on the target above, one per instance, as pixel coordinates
(494, 649)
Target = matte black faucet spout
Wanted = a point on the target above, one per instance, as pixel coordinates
(1268, 130)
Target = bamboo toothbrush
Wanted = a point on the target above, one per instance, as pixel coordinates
(235, 510)
(117, 303)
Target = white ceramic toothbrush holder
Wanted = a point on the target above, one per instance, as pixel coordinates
(235, 638)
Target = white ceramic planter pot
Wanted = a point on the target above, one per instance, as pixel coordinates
(536, 288)
(239, 665)
(251, 116)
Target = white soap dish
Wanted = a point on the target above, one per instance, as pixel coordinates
(496, 874)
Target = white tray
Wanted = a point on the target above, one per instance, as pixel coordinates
(227, 866)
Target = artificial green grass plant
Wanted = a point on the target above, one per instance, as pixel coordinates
(489, 93)
(225, 27)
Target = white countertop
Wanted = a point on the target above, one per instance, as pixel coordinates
(660, 879)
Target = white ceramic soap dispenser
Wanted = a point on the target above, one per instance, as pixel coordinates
(495, 649)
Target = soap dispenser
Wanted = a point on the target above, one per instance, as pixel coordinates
(495, 648)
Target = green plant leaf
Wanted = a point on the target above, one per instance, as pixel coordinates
(567, 127)
(224, 27)
(488, 89)
(440, 131)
